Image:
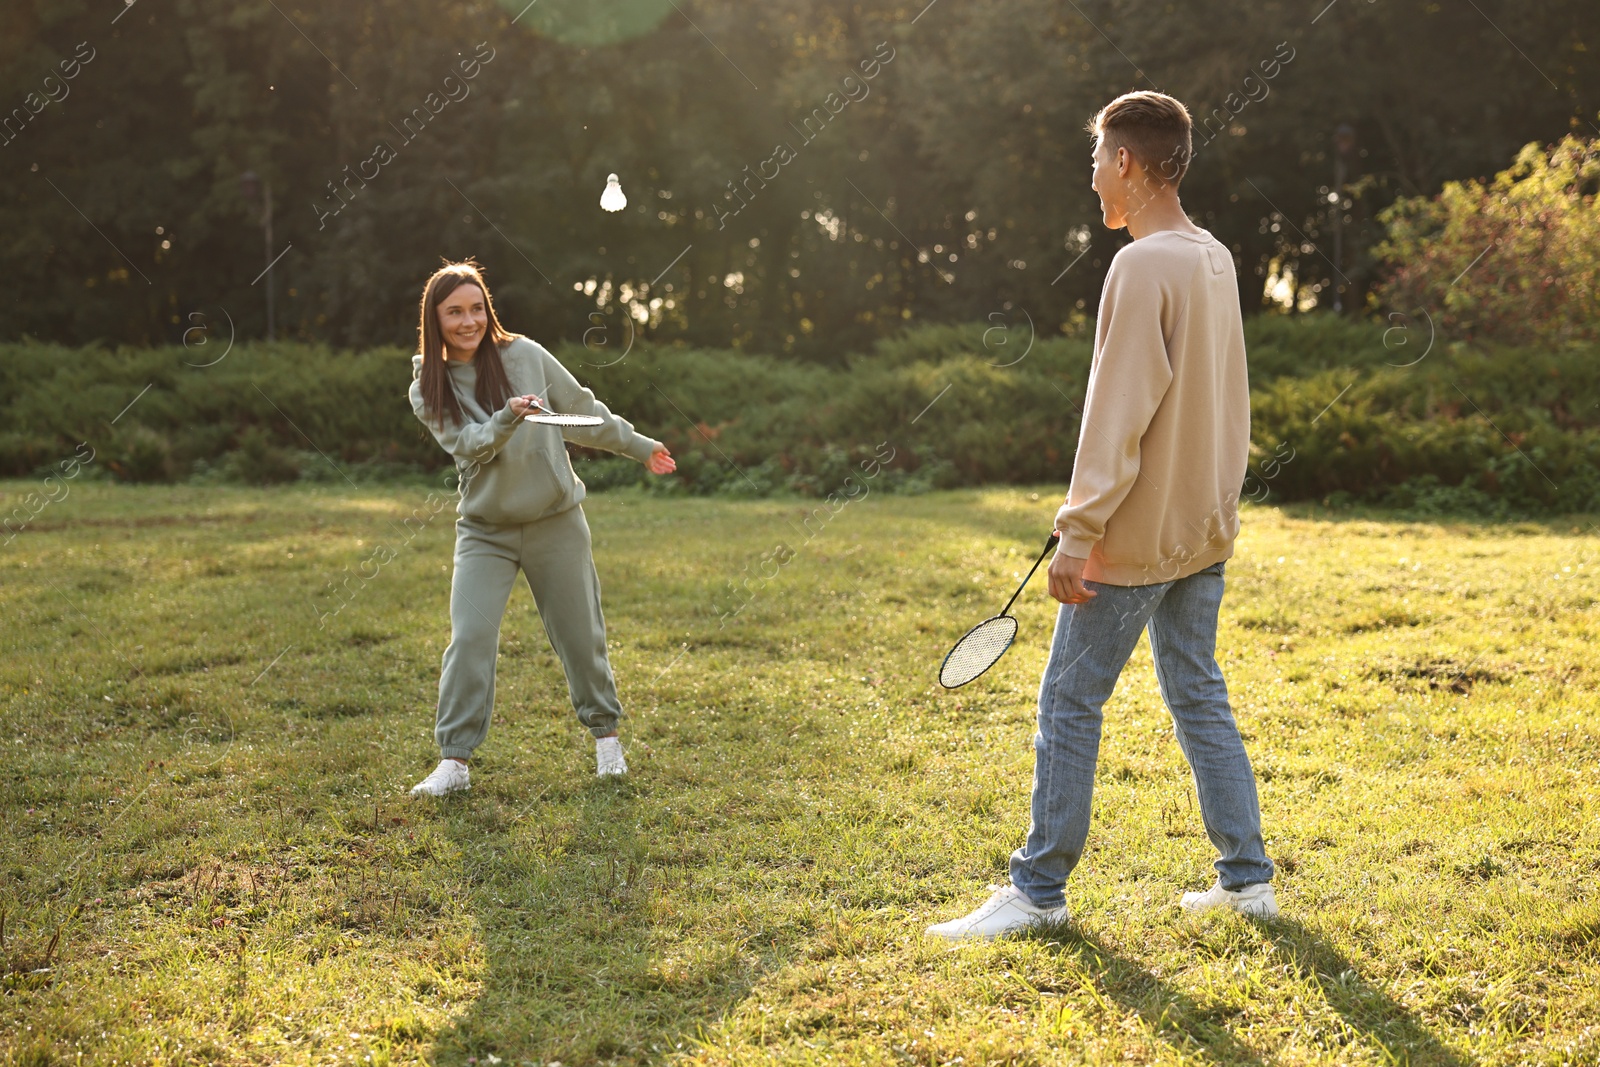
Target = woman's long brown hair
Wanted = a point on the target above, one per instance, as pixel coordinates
(493, 388)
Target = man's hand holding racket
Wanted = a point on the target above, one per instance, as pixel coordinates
(982, 646)
(1066, 579)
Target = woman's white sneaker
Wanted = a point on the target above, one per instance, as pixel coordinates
(1257, 901)
(449, 777)
(608, 757)
(1008, 911)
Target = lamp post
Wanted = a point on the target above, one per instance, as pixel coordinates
(258, 188)
(1344, 143)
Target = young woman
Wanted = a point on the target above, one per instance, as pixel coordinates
(472, 383)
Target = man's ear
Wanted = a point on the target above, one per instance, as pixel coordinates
(1124, 162)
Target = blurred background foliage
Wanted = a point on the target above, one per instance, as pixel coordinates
(952, 186)
(1342, 412)
(1514, 259)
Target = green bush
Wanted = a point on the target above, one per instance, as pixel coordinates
(1341, 412)
(1514, 260)
(155, 414)
(1482, 425)
(136, 453)
(257, 461)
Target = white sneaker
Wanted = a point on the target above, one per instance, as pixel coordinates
(608, 757)
(449, 777)
(1257, 901)
(1008, 911)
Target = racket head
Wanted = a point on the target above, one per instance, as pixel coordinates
(552, 418)
(977, 651)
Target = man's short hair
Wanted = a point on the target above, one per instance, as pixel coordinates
(1155, 129)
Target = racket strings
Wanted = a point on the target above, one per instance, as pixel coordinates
(986, 642)
(979, 650)
(550, 418)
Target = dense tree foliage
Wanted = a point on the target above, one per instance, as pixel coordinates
(803, 175)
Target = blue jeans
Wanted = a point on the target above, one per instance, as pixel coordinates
(1091, 645)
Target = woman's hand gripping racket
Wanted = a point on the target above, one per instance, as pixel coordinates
(556, 418)
(986, 642)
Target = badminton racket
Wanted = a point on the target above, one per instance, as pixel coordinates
(555, 418)
(986, 642)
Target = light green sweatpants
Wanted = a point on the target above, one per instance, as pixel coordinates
(554, 553)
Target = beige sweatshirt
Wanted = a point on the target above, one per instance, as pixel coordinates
(1166, 425)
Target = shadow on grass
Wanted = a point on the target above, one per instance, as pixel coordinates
(1363, 1006)
(1175, 1017)
(586, 956)
(1370, 1014)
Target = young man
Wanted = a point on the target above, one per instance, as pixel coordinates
(1150, 517)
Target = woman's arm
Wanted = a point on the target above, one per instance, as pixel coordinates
(475, 442)
(615, 434)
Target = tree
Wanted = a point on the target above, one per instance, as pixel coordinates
(780, 198)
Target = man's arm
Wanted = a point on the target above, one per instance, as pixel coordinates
(1126, 386)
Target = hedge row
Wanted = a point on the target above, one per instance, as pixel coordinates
(1337, 413)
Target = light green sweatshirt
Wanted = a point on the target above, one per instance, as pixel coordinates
(513, 471)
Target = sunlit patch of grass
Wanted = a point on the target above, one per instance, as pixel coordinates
(211, 857)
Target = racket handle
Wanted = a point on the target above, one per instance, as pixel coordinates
(1048, 545)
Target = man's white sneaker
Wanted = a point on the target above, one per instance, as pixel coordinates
(449, 777)
(608, 757)
(1257, 901)
(1008, 911)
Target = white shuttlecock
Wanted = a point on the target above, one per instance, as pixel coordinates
(613, 199)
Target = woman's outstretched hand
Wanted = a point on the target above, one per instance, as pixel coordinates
(521, 405)
(661, 461)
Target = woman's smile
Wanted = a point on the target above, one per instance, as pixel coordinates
(463, 320)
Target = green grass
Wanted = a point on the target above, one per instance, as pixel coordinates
(209, 856)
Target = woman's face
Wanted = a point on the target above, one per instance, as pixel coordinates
(463, 318)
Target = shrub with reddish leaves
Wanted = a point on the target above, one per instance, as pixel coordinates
(1515, 259)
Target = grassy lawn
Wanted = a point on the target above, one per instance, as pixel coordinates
(209, 855)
